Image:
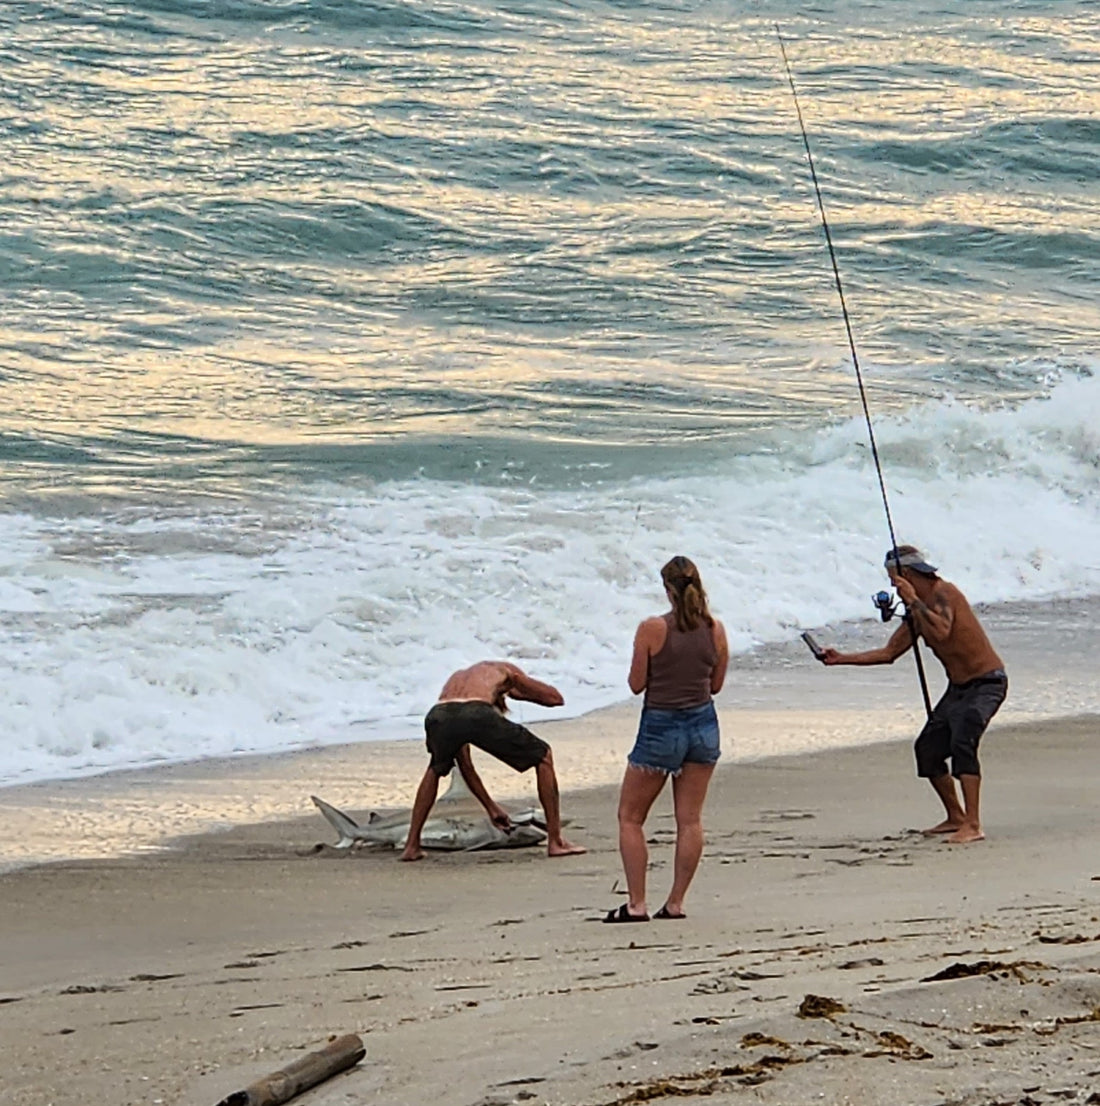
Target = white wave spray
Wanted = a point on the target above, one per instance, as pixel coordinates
(130, 640)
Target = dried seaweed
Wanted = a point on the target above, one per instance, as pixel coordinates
(820, 1006)
(984, 967)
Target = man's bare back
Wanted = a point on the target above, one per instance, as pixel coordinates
(449, 742)
(491, 681)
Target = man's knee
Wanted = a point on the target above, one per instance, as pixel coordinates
(964, 760)
(964, 744)
(931, 763)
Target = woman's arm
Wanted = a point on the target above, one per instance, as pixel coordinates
(648, 639)
(721, 663)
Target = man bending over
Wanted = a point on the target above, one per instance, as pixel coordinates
(471, 711)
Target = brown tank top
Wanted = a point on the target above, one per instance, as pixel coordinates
(679, 674)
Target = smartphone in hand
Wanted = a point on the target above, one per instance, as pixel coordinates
(812, 645)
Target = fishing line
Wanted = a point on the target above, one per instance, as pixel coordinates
(855, 361)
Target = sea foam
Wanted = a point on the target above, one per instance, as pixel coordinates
(336, 614)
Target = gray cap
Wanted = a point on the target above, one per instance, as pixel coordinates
(911, 558)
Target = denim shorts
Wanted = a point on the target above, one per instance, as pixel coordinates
(669, 739)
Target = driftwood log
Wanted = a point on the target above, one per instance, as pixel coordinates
(313, 1068)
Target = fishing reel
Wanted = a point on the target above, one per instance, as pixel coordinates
(887, 607)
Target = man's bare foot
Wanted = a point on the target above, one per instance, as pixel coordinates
(946, 826)
(965, 834)
(412, 854)
(564, 848)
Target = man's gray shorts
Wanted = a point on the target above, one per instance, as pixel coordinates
(958, 721)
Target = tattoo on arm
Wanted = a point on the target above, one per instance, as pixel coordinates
(935, 619)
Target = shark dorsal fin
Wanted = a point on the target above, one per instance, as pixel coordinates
(458, 790)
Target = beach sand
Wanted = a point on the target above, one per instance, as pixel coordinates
(177, 976)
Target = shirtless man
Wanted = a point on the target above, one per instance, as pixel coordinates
(976, 687)
(470, 711)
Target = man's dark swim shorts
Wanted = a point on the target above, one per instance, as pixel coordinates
(449, 726)
(957, 724)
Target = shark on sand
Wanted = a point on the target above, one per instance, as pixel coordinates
(458, 824)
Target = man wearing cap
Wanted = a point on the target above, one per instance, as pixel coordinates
(938, 612)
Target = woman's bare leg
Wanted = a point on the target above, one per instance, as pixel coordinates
(689, 791)
(640, 789)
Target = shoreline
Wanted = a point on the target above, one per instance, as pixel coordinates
(181, 974)
(1025, 632)
(146, 810)
(777, 702)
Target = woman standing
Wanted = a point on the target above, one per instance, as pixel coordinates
(679, 662)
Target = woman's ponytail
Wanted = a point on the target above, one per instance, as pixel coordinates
(685, 590)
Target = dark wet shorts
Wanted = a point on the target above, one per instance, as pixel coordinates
(957, 724)
(669, 739)
(449, 726)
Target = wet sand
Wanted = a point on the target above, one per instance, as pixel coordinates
(806, 972)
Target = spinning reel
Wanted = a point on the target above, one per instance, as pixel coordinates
(886, 604)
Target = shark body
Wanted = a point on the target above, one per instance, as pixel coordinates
(458, 824)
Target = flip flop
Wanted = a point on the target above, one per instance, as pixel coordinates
(624, 915)
(665, 913)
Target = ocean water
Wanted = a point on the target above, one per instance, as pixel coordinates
(344, 343)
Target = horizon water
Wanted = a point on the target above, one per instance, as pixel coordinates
(344, 344)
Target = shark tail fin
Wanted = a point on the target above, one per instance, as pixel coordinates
(344, 825)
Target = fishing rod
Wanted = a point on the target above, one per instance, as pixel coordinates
(881, 601)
